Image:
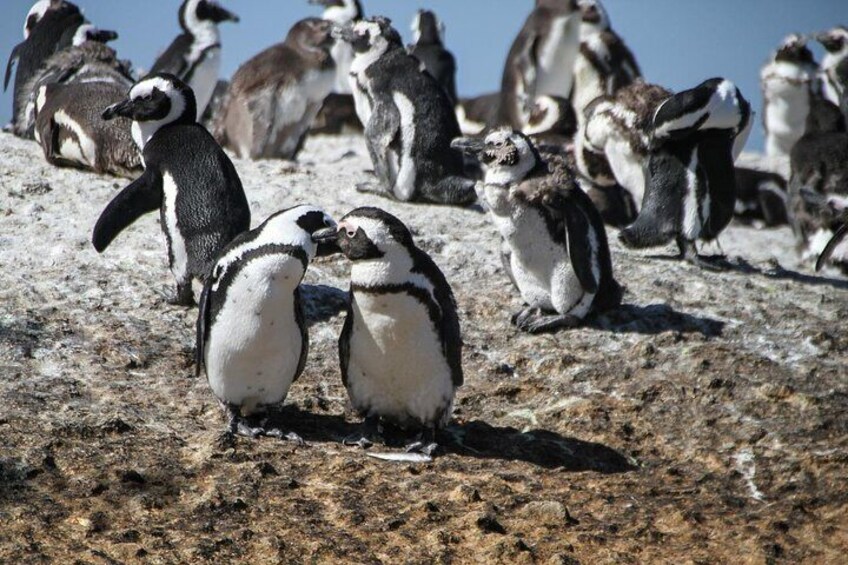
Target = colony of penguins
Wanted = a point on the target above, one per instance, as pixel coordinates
(576, 138)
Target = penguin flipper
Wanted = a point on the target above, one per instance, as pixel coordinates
(831, 245)
(13, 57)
(142, 195)
(172, 59)
(344, 339)
(382, 132)
(582, 250)
(203, 324)
(300, 319)
(661, 205)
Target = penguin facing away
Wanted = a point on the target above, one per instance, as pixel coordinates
(35, 14)
(194, 56)
(401, 348)
(429, 48)
(252, 338)
(691, 181)
(275, 96)
(187, 176)
(556, 251)
(835, 43)
(409, 121)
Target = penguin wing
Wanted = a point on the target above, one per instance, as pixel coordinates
(13, 57)
(581, 238)
(142, 195)
(173, 60)
(203, 323)
(300, 318)
(831, 245)
(344, 339)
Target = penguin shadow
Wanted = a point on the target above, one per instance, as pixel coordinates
(654, 319)
(322, 302)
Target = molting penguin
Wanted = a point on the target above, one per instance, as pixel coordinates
(835, 42)
(187, 176)
(612, 144)
(252, 337)
(274, 96)
(540, 61)
(409, 121)
(787, 83)
(53, 29)
(195, 55)
(429, 48)
(604, 63)
(691, 183)
(400, 349)
(556, 250)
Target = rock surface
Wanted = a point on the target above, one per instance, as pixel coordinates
(705, 421)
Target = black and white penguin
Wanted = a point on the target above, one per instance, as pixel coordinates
(341, 13)
(252, 338)
(35, 14)
(187, 176)
(275, 95)
(409, 121)
(787, 81)
(429, 48)
(612, 144)
(475, 112)
(691, 184)
(551, 124)
(556, 251)
(400, 349)
(540, 60)
(835, 43)
(194, 56)
(604, 64)
(53, 29)
(761, 196)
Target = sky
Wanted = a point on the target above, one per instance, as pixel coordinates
(678, 43)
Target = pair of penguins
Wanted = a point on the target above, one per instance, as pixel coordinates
(400, 349)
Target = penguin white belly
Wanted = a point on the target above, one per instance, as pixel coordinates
(556, 60)
(694, 212)
(397, 368)
(627, 168)
(177, 252)
(254, 344)
(82, 149)
(404, 188)
(786, 112)
(360, 99)
(342, 54)
(296, 107)
(588, 85)
(205, 77)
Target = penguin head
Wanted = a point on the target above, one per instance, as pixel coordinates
(88, 32)
(200, 13)
(508, 155)
(371, 233)
(305, 226)
(35, 14)
(427, 28)
(558, 5)
(794, 50)
(834, 40)
(340, 11)
(373, 36)
(159, 99)
(311, 34)
(594, 16)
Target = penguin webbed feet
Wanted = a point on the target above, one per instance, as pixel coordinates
(238, 426)
(689, 253)
(284, 435)
(368, 435)
(534, 320)
(184, 296)
(370, 188)
(424, 443)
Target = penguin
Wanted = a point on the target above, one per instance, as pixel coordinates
(612, 144)
(555, 246)
(604, 64)
(613, 202)
(409, 121)
(787, 82)
(551, 124)
(400, 349)
(429, 49)
(187, 176)
(540, 60)
(275, 95)
(35, 14)
(252, 338)
(475, 112)
(835, 43)
(194, 56)
(51, 32)
(691, 183)
(760, 195)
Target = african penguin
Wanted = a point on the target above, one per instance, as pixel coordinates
(835, 43)
(187, 176)
(252, 337)
(53, 31)
(275, 95)
(691, 185)
(787, 82)
(409, 121)
(556, 250)
(429, 49)
(551, 124)
(540, 61)
(760, 195)
(475, 112)
(604, 64)
(341, 13)
(35, 14)
(194, 56)
(400, 349)
(612, 144)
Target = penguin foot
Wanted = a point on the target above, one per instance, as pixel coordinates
(241, 428)
(288, 436)
(370, 188)
(424, 448)
(717, 264)
(369, 433)
(183, 297)
(535, 321)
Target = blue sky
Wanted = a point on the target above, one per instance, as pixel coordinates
(678, 43)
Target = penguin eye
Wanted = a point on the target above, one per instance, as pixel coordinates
(351, 233)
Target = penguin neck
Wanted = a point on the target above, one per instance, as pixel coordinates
(831, 60)
(362, 61)
(143, 132)
(394, 267)
(204, 33)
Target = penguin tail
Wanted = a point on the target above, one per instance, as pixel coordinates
(452, 190)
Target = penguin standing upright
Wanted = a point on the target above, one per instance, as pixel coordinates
(604, 63)
(52, 31)
(400, 349)
(540, 61)
(252, 337)
(409, 121)
(787, 82)
(275, 95)
(429, 48)
(835, 43)
(194, 56)
(35, 14)
(556, 250)
(187, 176)
(691, 182)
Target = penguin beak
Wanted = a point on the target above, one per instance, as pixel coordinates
(327, 242)
(468, 145)
(104, 36)
(123, 109)
(321, 2)
(218, 14)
